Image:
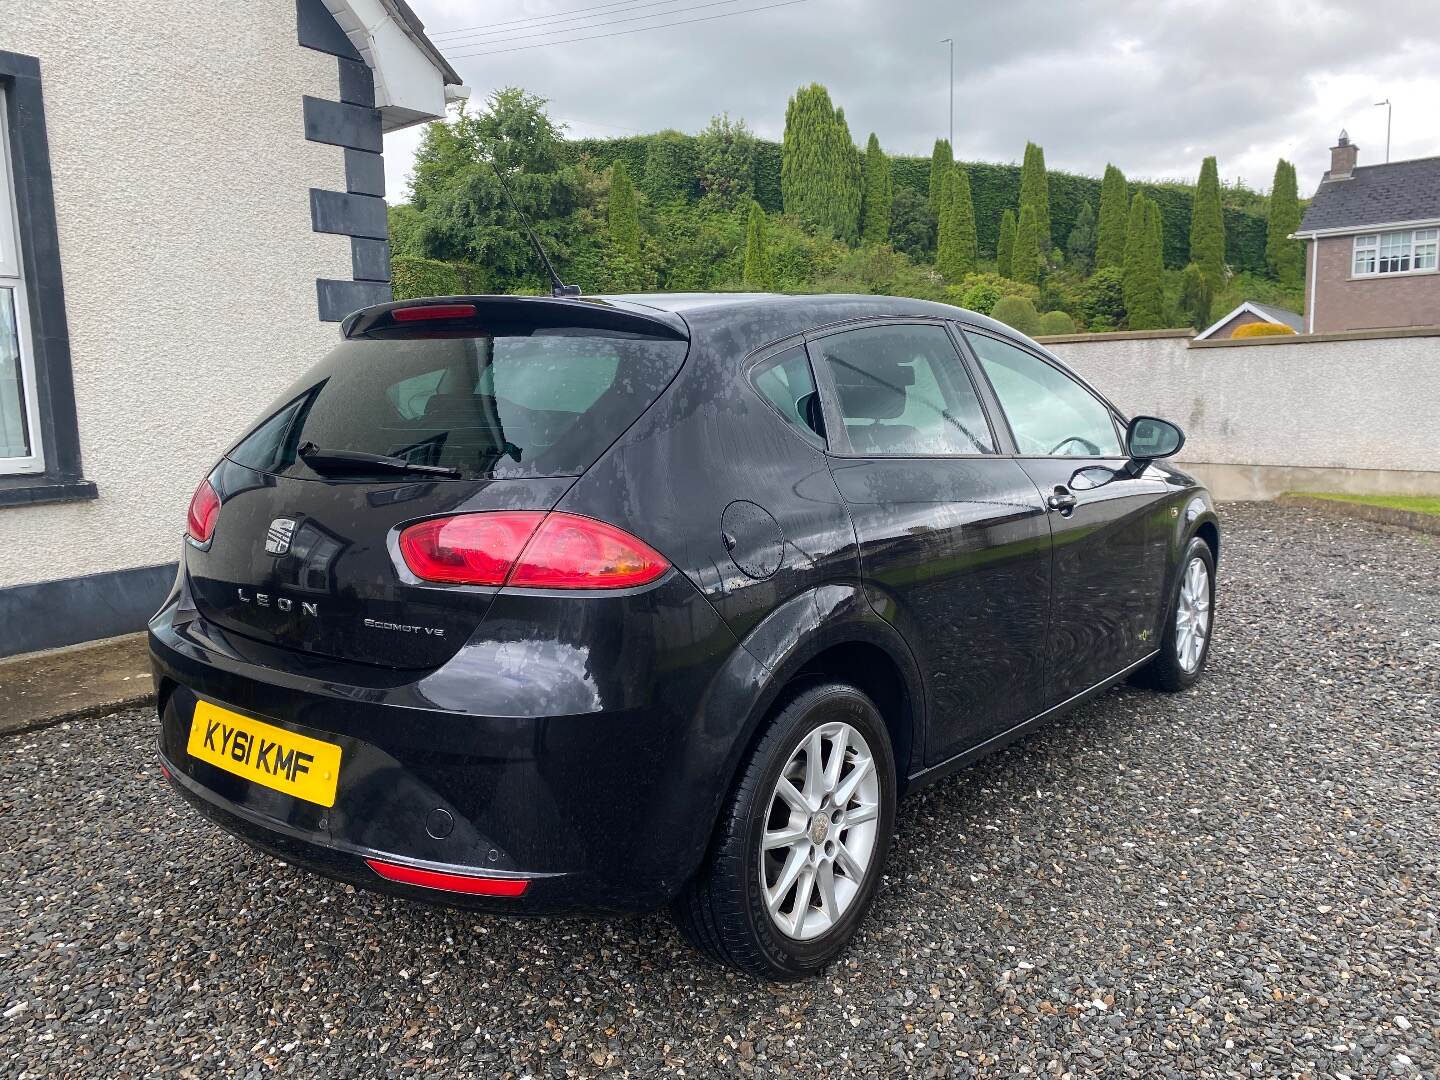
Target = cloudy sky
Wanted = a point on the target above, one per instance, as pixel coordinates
(1152, 86)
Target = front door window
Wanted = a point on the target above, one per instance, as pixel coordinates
(1050, 414)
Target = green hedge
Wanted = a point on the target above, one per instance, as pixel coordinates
(412, 277)
(993, 188)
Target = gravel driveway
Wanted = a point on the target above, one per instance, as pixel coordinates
(1242, 880)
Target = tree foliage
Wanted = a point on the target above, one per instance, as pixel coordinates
(1196, 297)
(1207, 226)
(624, 212)
(465, 214)
(758, 274)
(820, 167)
(725, 161)
(912, 226)
(1102, 299)
(879, 194)
(1144, 288)
(1035, 190)
(1285, 257)
(1114, 212)
(1005, 249)
(941, 158)
(1080, 246)
(1025, 260)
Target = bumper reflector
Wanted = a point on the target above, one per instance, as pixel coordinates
(457, 883)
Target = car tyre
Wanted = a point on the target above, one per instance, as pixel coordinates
(1181, 659)
(729, 910)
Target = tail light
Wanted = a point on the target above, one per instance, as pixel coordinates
(204, 509)
(529, 549)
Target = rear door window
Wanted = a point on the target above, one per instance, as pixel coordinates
(492, 407)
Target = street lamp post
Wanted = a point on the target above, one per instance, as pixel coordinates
(951, 43)
(1388, 110)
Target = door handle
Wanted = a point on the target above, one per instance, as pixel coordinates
(1062, 501)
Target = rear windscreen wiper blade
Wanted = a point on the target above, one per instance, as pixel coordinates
(351, 462)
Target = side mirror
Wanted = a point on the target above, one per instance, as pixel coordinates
(1149, 437)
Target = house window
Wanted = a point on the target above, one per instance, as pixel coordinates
(39, 436)
(19, 449)
(1395, 252)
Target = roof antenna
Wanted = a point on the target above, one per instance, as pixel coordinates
(557, 287)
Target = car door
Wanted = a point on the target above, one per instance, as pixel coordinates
(1108, 570)
(954, 542)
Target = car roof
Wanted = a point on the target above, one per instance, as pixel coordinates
(781, 315)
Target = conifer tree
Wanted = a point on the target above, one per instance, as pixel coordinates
(820, 170)
(624, 211)
(941, 158)
(879, 193)
(1207, 227)
(758, 274)
(1114, 213)
(1195, 297)
(1035, 190)
(1286, 257)
(1144, 298)
(1080, 246)
(1025, 262)
(946, 249)
(962, 210)
(1005, 249)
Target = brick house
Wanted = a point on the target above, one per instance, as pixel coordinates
(1374, 234)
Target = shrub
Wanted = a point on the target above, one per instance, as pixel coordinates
(1263, 329)
(1056, 322)
(981, 297)
(757, 252)
(1019, 313)
(1003, 286)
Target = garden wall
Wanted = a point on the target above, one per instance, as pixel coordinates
(1352, 412)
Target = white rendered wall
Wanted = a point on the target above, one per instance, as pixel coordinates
(182, 181)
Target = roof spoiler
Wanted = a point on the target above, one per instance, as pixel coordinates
(509, 316)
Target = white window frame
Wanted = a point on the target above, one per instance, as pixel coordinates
(1372, 251)
(12, 279)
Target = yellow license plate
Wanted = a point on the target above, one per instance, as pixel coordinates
(264, 754)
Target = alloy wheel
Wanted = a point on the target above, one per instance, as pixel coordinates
(820, 833)
(1192, 615)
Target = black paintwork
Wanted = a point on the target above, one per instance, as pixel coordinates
(588, 741)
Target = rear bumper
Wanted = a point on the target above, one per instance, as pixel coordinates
(314, 850)
(607, 809)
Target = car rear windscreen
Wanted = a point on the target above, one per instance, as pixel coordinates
(490, 407)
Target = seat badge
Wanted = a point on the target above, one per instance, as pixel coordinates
(277, 539)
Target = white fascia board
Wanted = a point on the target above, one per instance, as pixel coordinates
(1356, 230)
(409, 87)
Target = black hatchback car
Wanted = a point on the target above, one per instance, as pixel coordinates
(534, 604)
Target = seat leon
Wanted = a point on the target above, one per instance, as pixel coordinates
(548, 604)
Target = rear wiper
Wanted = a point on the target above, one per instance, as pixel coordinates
(353, 462)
